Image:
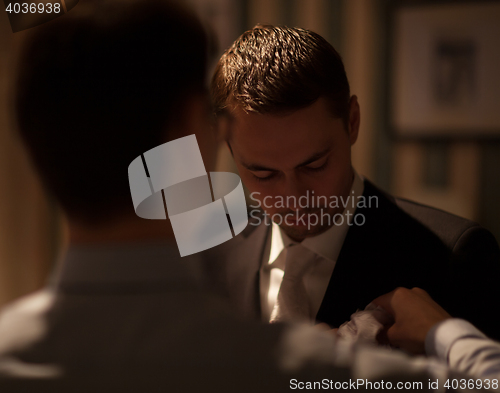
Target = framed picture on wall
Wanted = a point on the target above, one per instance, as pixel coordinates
(445, 79)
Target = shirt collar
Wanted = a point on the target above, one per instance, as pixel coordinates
(329, 243)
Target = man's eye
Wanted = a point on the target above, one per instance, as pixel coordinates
(317, 166)
(263, 176)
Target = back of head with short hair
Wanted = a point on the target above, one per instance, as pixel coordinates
(273, 70)
(99, 86)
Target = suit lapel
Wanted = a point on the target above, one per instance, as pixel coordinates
(356, 279)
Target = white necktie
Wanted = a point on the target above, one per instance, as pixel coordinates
(292, 303)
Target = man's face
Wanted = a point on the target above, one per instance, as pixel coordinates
(281, 158)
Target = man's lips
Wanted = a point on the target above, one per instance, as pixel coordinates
(299, 218)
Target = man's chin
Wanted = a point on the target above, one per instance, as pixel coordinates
(299, 231)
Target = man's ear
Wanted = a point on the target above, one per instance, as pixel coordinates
(354, 119)
(221, 125)
(229, 147)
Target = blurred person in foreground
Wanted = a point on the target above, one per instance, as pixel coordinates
(284, 108)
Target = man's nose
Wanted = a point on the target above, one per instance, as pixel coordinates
(294, 189)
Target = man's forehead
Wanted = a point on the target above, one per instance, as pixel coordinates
(238, 115)
(289, 138)
(308, 123)
(260, 151)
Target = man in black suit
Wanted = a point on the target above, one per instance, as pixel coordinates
(283, 104)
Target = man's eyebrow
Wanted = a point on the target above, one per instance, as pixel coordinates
(259, 168)
(315, 157)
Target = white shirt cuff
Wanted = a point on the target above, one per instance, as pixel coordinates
(443, 335)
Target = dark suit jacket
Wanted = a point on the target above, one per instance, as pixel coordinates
(401, 244)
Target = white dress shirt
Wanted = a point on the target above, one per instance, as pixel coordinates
(326, 245)
(464, 348)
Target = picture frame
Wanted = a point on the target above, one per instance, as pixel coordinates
(445, 70)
